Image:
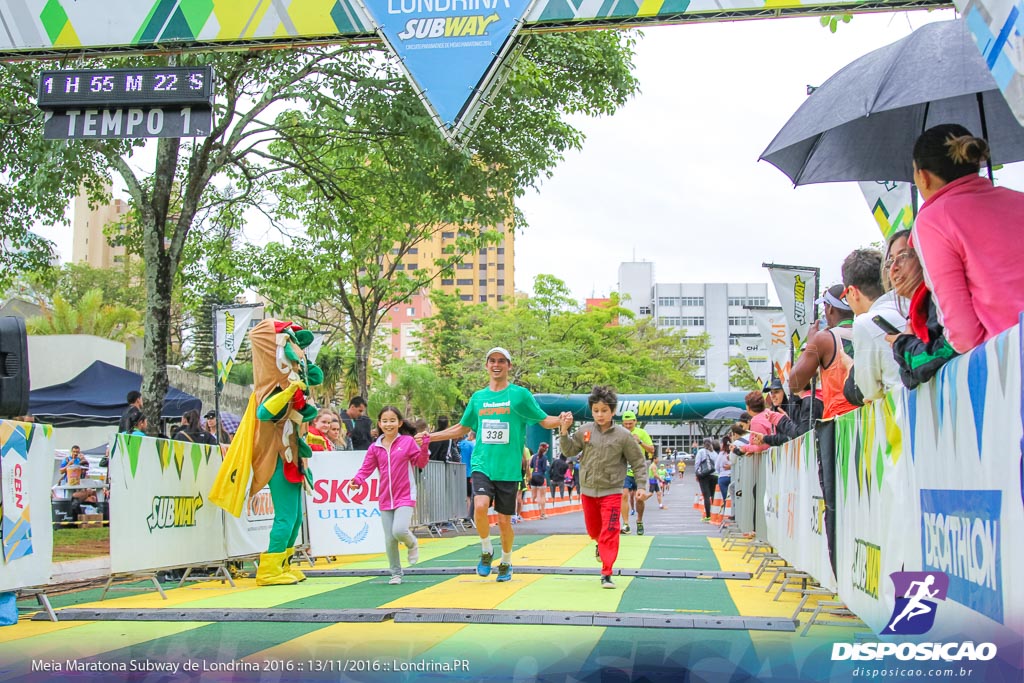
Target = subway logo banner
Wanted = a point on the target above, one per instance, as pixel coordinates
(160, 515)
(451, 50)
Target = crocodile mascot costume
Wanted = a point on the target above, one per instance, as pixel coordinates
(268, 444)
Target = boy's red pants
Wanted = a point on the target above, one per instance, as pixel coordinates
(602, 519)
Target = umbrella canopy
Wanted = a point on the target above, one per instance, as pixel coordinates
(726, 413)
(96, 397)
(229, 422)
(861, 124)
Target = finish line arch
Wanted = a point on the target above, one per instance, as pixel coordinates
(691, 407)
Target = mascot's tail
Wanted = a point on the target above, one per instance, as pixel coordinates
(232, 483)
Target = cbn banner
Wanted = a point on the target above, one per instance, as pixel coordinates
(342, 522)
(796, 287)
(159, 515)
(231, 324)
(775, 335)
(25, 494)
(796, 523)
(890, 204)
(953, 509)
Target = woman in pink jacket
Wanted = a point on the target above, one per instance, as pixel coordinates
(967, 236)
(395, 452)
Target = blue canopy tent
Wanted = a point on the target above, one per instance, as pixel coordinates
(96, 397)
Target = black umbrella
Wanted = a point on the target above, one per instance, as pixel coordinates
(726, 413)
(861, 124)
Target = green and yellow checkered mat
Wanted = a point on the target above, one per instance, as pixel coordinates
(391, 651)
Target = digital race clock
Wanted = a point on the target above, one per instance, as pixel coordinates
(170, 86)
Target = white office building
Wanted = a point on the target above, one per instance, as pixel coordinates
(715, 308)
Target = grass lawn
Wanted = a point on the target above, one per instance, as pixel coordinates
(74, 544)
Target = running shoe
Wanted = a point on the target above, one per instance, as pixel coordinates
(661, 506)
(504, 572)
(632, 511)
(706, 519)
(483, 568)
(624, 529)
(606, 582)
(639, 528)
(395, 581)
(414, 554)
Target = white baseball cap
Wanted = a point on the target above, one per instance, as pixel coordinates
(498, 349)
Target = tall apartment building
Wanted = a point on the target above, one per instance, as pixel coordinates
(714, 308)
(487, 276)
(89, 244)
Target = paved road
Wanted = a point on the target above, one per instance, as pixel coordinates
(678, 518)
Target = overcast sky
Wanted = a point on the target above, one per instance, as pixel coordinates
(673, 176)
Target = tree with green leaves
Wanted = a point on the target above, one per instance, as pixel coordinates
(416, 389)
(558, 349)
(368, 204)
(740, 374)
(89, 315)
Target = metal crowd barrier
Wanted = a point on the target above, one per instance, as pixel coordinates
(749, 479)
(441, 494)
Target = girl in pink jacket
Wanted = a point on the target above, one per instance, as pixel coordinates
(395, 452)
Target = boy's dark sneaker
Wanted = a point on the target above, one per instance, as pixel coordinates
(606, 581)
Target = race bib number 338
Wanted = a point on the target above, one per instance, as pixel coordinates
(494, 431)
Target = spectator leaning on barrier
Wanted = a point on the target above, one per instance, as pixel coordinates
(875, 371)
(923, 349)
(968, 237)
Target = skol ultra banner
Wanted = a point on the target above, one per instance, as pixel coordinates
(890, 204)
(159, 514)
(27, 469)
(231, 324)
(343, 521)
(796, 287)
(775, 337)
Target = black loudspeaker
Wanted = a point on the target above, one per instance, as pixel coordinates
(13, 367)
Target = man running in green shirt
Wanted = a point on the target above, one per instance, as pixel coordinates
(629, 486)
(499, 415)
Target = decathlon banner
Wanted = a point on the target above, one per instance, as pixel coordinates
(796, 527)
(230, 326)
(159, 515)
(996, 27)
(873, 497)
(775, 335)
(342, 522)
(450, 49)
(796, 287)
(890, 204)
(931, 483)
(27, 464)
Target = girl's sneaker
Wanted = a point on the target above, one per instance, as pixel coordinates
(395, 581)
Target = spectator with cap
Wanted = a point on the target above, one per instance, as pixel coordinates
(213, 429)
(830, 353)
(875, 372)
(630, 495)
(499, 414)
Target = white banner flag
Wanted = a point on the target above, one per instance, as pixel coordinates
(231, 326)
(775, 335)
(890, 204)
(313, 350)
(796, 287)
